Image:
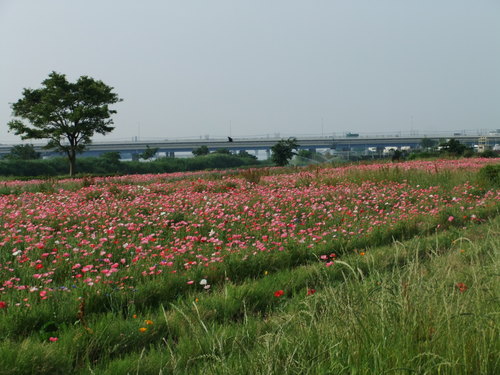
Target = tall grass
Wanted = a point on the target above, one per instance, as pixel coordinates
(414, 317)
(428, 305)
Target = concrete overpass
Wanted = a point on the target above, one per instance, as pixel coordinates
(345, 143)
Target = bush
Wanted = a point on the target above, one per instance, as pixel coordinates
(488, 154)
(109, 164)
(254, 175)
(32, 167)
(489, 175)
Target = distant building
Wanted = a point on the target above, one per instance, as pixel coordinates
(482, 145)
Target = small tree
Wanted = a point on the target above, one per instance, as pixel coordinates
(283, 151)
(67, 114)
(454, 147)
(22, 152)
(148, 153)
(427, 143)
(396, 155)
(108, 162)
(200, 151)
(111, 157)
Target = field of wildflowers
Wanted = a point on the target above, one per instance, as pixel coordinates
(111, 270)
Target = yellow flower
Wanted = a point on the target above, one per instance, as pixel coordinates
(265, 273)
(134, 316)
(143, 329)
(148, 322)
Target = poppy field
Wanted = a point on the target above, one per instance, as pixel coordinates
(320, 269)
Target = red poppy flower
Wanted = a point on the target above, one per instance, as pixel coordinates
(3, 305)
(310, 292)
(279, 293)
(462, 287)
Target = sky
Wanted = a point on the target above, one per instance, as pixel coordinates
(198, 68)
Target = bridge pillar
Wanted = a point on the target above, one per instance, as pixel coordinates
(171, 154)
(268, 153)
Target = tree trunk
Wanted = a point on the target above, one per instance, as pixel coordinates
(72, 162)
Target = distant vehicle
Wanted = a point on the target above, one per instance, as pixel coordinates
(457, 134)
(352, 135)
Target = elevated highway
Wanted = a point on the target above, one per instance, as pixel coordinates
(127, 149)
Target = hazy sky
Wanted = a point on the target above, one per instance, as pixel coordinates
(190, 68)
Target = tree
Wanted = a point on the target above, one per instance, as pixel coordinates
(112, 157)
(108, 162)
(202, 150)
(67, 114)
(22, 152)
(397, 155)
(427, 143)
(148, 153)
(282, 151)
(453, 146)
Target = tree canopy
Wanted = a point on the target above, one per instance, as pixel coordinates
(453, 146)
(67, 114)
(283, 151)
(200, 151)
(148, 153)
(427, 143)
(23, 152)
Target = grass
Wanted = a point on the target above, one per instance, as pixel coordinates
(395, 309)
(403, 314)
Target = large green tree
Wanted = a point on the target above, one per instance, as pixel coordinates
(283, 151)
(67, 114)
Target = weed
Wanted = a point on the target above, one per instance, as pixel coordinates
(254, 175)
